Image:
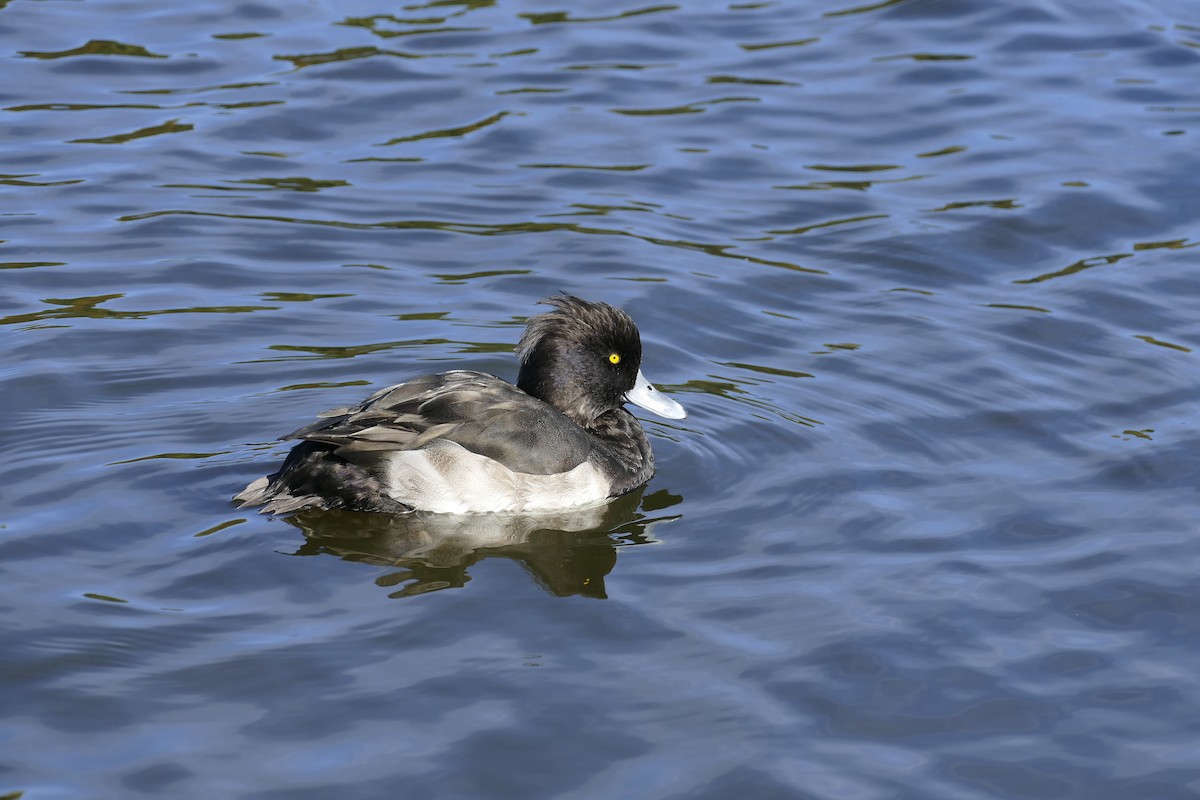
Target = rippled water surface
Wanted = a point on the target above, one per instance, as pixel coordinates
(922, 271)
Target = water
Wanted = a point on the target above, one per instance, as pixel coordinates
(922, 272)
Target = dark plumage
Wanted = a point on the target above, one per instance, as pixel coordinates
(465, 441)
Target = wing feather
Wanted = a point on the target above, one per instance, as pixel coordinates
(480, 412)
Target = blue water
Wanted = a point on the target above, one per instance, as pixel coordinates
(923, 273)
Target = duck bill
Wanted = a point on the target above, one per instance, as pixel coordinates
(644, 395)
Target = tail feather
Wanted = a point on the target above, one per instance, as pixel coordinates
(274, 498)
(313, 477)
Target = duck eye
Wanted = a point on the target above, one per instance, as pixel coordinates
(614, 358)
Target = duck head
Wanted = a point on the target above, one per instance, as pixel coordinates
(585, 359)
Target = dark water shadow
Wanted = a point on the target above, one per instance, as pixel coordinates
(567, 553)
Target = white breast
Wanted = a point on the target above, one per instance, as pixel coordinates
(446, 477)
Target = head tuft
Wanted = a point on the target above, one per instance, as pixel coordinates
(575, 321)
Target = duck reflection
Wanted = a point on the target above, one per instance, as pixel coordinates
(566, 553)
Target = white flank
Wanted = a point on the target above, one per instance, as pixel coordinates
(447, 478)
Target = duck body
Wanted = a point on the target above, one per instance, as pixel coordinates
(464, 441)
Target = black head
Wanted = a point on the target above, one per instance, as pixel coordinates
(581, 358)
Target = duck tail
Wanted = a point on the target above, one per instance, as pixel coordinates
(312, 476)
(273, 497)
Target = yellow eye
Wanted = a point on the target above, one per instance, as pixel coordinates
(614, 359)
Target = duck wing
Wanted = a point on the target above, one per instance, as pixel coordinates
(480, 412)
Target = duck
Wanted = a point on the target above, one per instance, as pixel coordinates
(463, 442)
